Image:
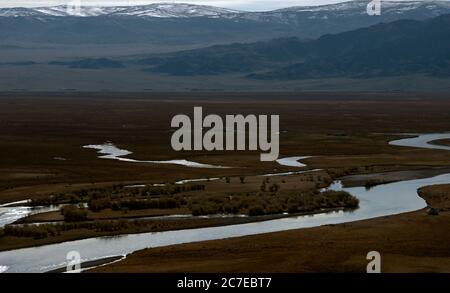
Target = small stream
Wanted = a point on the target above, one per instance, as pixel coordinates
(423, 141)
(292, 161)
(110, 151)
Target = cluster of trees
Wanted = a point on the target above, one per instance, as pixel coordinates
(33, 231)
(161, 203)
(73, 197)
(106, 227)
(324, 200)
(56, 199)
(210, 208)
(100, 202)
(101, 198)
(97, 205)
(51, 230)
(340, 172)
(171, 189)
(271, 203)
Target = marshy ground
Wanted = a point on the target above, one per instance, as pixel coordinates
(346, 134)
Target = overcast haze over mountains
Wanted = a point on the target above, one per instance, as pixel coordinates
(149, 47)
(246, 5)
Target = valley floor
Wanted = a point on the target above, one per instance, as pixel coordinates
(412, 242)
(345, 134)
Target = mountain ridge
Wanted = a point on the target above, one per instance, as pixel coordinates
(186, 24)
(397, 48)
(175, 10)
(152, 10)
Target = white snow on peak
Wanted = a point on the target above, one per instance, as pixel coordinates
(83, 11)
(362, 4)
(177, 10)
(184, 10)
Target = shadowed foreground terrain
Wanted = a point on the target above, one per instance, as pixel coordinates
(412, 242)
(345, 134)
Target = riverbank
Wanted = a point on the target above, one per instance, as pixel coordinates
(137, 226)
(410, 242)
(373, 179)
(90, 264)
(56, 216)
(13, 242)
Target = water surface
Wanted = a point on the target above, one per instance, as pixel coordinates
(10, 214)
(111, 152)
(292, 161)
(423, 141)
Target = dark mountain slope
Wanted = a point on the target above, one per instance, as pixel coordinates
(398, 48)
(229, 58)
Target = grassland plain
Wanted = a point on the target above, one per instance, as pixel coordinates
(42, 136)
(344, 133)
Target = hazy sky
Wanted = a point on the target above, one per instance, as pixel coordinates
(250, 5)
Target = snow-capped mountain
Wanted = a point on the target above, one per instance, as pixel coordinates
(169, 23)
(163, 10)
(389, 10)
(184, 10)
(360, 5)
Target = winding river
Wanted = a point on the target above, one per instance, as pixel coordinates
(292, 161)
(381, 200)
(110, 151)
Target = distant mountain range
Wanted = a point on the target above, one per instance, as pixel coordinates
(159, 10)
(196, 24)
(172, 47)
(399, 48)
(183, 10)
